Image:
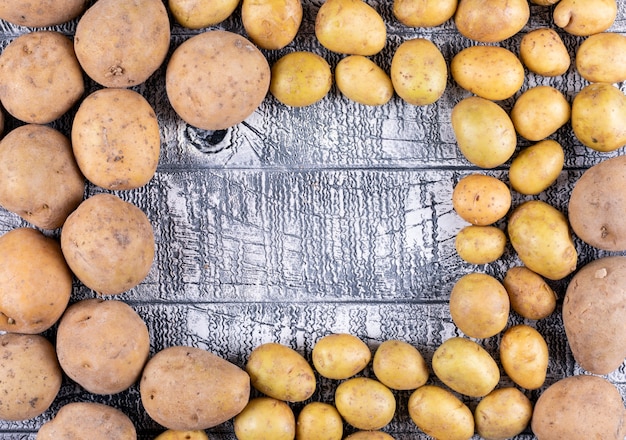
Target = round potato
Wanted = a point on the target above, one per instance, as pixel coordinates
(503, 414)
(116, 139)
(41, 13)
(216, 79)
(424, 13)
(361, 80)
(120, 43)
(319, 421)
(602, 58)
(365, 403)
(524, 356)
(369, 435)
(108, 243)
(31, 376)
(480, 244)
(271, 24)
(171, 434)
(40, 77)
(300, 79)
(481, 199)
(399, 365)
(539, 112)
(39, 178)
(544, 53)
(419, 72)
(35, 281)
(170, 382)
(197, 14)
(537, 167)
(530, 296)
(491, 21)
(585, 18)
(340, 356)
(265, 418)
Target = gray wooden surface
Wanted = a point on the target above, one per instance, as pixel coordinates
(300, 222)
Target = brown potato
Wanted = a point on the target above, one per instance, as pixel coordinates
(544, 53)
(491, 21)
(602, 58)
(41, 13)
(585, 18)
(530, 296)
(365, 403)
(481, 199)
(524, 356)
(539, 112)
(271, 24)
(340, 356)
(424, 13)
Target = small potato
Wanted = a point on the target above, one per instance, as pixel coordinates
(300, 79)
(480, 244)
(440, 414)
(585, 18)
(419, 72)
(490, 72)
(197, 14)
(363, 81)
(281, 372)
(424, 13)
(530, 296)
(502, 414)
(265, 418)
(399, 365)
(539, 112)
(479, 305)
(484, 132)
(602, 58)
(481, 199)
(340, 356)
(351, 27)
(524, 356)
(41, 13)
(491, 21)
(319, 421)
(537, 167)
(365, 403)
(182, 435)
(544, 2)
(465, 367)
(369, 435)
(271, 24)
(544, 53)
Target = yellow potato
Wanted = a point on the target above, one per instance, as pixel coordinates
(41, 13)
(340, 356)
(540, 234)
(182, 435)
(361, 80)
(491, 21)
(481, 199)
(479, 305)
(424, 13)
(544, 53)
(419, 72)
(365, 403)
(585, 18)
(319, 421)
(369, 435)
(539, 112)
(503, 414)
(544, 2)
(491, 72)
(465, 367)
(602, 58)
(300, 79)
(271, 24)
(524, 356)
(351, 27)
(480, 244)
(440, 414)
(537, 167)
(484, 132)
(197, 14)
(530, 296)
(265, 418)
(399, 365)
(281, 372)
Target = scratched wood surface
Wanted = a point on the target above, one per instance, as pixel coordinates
(300, 222)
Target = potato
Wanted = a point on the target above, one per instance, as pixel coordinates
(171, 434)
(596, 205)
(265, 418)
(170, 382)
(479, 305)
(340, 356)
(581, 406)
(108, 244)
(536, 167)
(540, 234)
(120, 43)
(319, 421)
(440, 414)
(35, 281)
(369, 435)
(280, 372)
(484, 132)
(529, 294)
(31, 376)
(40, 77)
(602, 58)
(490, 72)
(465, 367)
(481, 199)
(539, 112)
(424, 13)
(351, 27)
(524, 356)
(399, 365)
(543, 52)
(39, 178)
(216, 79)
(361, 80)
(300, 79)
(197, 14)
(480, 244)
(419, 72)
(102, 345)
(491, 21)
(92, 420)
(41, 13)
(502, 414)
(116, 139)
(544, 2)
(271, 24)
(585, 18)
(598, 115)
(365, 403)
(594, 315)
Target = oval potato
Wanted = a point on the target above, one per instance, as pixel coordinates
(544, 53)
(41, 13)
(602, 58)
(361, 80)
(503, 414)
(536, 167)
(171, 434)
(365, 403)
(539, 112)
(271, 24)
(481, 199)
(265, 418)
(424, 13)
(399, 365)
(340, 356)
(197, 14)
(524, 356)
(319, 421)
(480, 244)
(369, 435)
(530, 296)
(585, 18)
(300, 78)
(491, 21)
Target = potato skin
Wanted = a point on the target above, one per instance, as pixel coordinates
(585, 18)
(171, 434)
(319, 421)
(363, 81)
(536, 167)
(271, 24)
(198, 14)
(531, 297)
(399, 365)
(300, 78)
(602, 58)
(41, 13)
(481, 199)
(369, 435)
(340, 355)
(480, 244)
(502, 414)
(524, 356)
(265, 418)
(491, 21)
(539, 112)
(365, 403)
(544, 53)
(424, 13)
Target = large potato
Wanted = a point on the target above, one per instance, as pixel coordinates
(365, 403)
(35, 281)
(539, 112)
(480, 244)
(39, 178)
(197, 14)
(531, 297)
(41, 13)
(424, 13)
(481, 199)
(300, 78)
(536, 167)
(271, 24)
(502, 414)
(361, 80)
(491, 21)
(602, 58)
(340, 355)
(170, 385)
(399, 365)
(265, 418)
(121, 43)
(585, 18)
(524, 356)
(544, 53)
(319, 421)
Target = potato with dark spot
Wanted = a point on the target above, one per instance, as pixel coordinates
(41, 13)
(530, 295)
(584, 18)
(544, 53)
(491, 21)
(481, 199)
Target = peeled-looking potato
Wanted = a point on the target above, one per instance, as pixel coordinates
(271, 24)
(319, 421)
(300, 78)
(361, 80)
(583, 18)
(537, 167)
(340, 356)
(602, 58)
(41, 13)
(399, 365)
(197, 14)
(491, 21)
(524, 356)
(480, 244)
(265, 418)
(539, 112)
(424, 13)
(365, 403)
(543, 52)
(530, 296)
(503, 414)
(481, 199)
